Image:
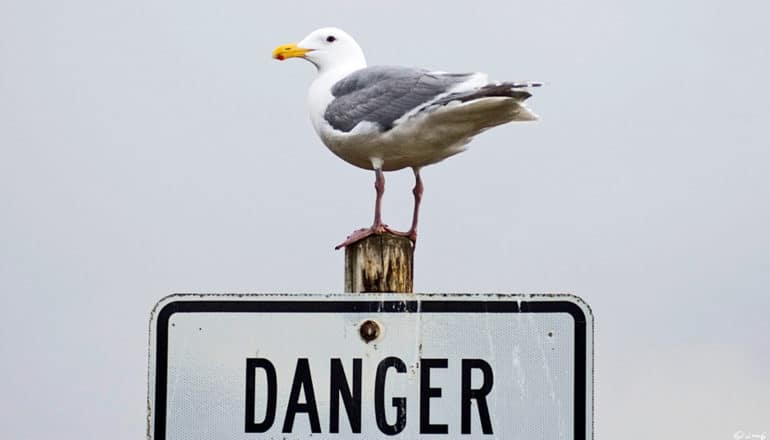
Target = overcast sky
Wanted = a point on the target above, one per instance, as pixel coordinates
(151, 147)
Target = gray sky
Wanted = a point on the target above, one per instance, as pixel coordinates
(154, 147)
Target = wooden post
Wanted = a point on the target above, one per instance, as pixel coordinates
(380, 263)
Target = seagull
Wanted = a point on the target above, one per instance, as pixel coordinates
(387, 118)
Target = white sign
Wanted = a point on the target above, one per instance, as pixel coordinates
(371, 367)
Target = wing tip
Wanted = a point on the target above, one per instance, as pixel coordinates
(527, 84)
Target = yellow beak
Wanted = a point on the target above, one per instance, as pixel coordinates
(289, 51)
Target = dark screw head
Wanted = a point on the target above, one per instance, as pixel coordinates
(369, 330)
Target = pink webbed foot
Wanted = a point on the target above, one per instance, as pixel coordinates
(411, 234)
(360, 234)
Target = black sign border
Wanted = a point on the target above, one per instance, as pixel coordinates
(366, 306)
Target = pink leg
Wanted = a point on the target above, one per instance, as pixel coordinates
(417, 191)
(377, 227)
(379, 187)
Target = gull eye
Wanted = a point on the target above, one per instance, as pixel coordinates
(331, 39)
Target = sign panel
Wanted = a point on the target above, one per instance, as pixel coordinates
(370, 367)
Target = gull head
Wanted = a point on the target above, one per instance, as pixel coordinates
(327, 48)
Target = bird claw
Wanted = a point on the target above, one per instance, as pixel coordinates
(362, 233)
(411, 234)
(357, 235)
(380, 229)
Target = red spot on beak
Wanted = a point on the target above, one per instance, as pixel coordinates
(280, 57)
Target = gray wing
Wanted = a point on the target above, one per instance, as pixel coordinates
(382, 94)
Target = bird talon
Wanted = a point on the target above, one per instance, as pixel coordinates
(360, 234)
(380, 229)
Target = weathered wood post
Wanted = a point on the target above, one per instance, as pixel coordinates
(380, 263)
